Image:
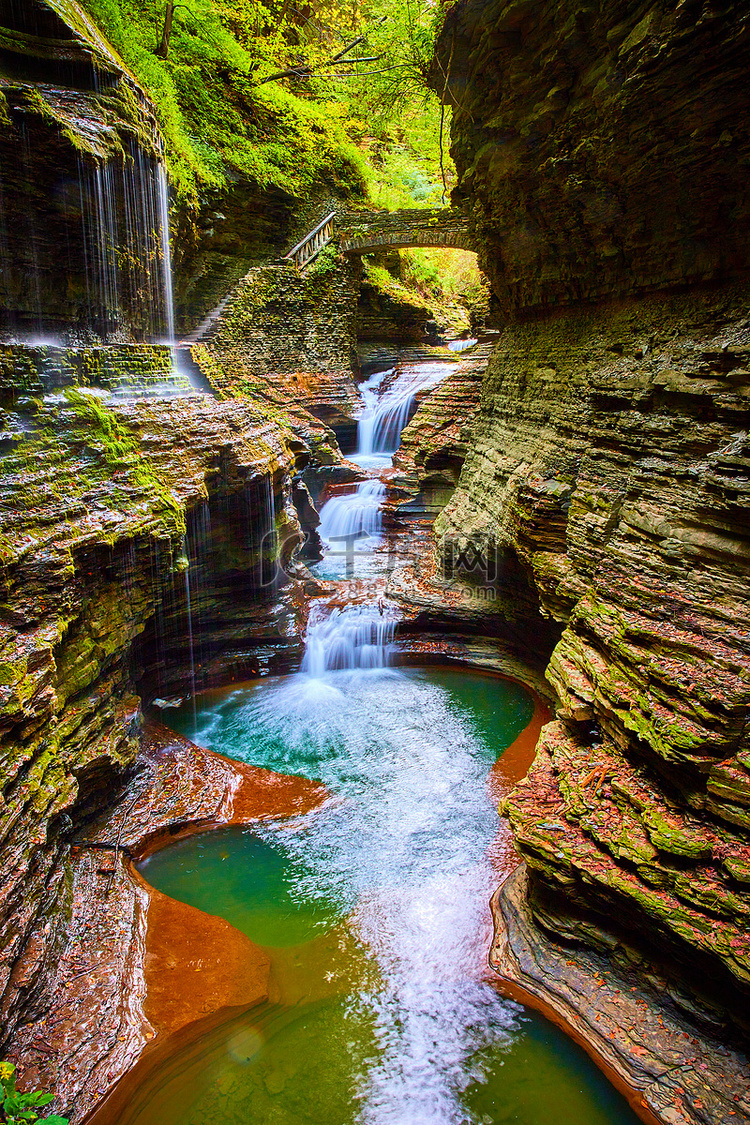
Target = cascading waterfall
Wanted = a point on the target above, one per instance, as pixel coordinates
(125, 218)
(462, 345)
(389, 404)
(356, 637)
(357, 515)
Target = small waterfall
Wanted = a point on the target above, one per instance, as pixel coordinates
(357, 515)
(125, 227)
(356, 637)
(262, 536)
(389, 404)
(202, 581)
(462, 345)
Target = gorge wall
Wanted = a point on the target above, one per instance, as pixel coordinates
(109, 511)
(603, 154)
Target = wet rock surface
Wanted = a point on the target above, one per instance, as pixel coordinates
(434, 445)
(133, 966)
(104, 500)
(636, 544)
(627, 1013)
(600, 150)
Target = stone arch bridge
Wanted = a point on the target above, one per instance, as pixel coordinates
(363, 232)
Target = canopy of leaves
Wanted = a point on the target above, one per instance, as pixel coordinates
(364, 119)
(217, 122)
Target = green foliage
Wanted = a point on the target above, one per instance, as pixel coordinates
(445, 275)
(21, 1109)
(215, 119)
(395, 114)
(362, 129)
(117, 445)
(343, 127)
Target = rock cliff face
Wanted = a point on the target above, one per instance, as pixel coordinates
(79, 186)
(125, 524)
(603, 154)
(602, 149)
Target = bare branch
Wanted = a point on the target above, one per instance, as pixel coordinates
(307, 71)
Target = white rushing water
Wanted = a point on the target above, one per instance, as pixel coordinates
(358, 636)
(462, 345)
(126, 239)
(356, 515)
(403, 848)
(166, 252)
(389, 398)
(406, 850)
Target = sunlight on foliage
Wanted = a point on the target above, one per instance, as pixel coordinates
(445, 275)
(340, 126)
(215, 120)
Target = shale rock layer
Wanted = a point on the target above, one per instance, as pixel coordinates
(610, 461)
(602, 149)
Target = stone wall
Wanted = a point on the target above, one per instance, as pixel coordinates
(601, 149)
(290, 338)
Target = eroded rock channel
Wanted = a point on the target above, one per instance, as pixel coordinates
(300, 583)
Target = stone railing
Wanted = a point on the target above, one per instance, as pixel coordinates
(361, 232)
(311, 245)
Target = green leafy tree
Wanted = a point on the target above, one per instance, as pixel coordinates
(21, 1109)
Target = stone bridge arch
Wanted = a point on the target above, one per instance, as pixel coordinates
(363, 232)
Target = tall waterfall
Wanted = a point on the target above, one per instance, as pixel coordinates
(357, 636)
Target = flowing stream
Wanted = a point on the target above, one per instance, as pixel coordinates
(390, 397)
(373, 908)
(353, 522)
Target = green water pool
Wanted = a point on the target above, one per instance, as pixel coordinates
(373, 911)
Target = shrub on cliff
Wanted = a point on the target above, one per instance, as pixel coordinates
(21, 1109)
(217, 121)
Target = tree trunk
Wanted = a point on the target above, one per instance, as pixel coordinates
(163, 49)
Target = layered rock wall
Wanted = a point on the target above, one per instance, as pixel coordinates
(80, 247)
(290, 338)
(602, 149)
(603, 154)
(104, 502)
(609, 457)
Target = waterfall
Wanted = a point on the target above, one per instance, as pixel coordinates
(126, 245)
(184, 563)
(389, 398)
(462, 345)
(166, 252)
(356, 637)
(357, 515)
